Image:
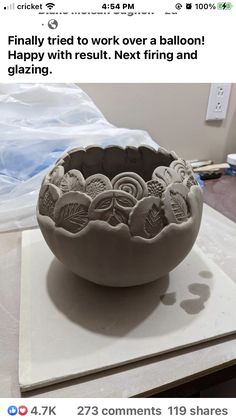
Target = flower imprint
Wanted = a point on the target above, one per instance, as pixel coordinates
(155, 188)
(190, 181)
(96, 184)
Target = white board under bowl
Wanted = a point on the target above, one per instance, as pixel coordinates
(70, 327)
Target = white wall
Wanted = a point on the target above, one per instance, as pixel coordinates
(174, 115)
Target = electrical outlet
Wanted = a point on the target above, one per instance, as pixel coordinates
(218, 101)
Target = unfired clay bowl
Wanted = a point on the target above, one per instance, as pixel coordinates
(120, 217)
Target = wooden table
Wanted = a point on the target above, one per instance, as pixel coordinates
(166, 373)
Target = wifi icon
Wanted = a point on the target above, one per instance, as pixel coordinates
(50, 5)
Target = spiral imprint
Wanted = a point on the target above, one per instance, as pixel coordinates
(129, 188)
(131, 183)
(188, 168)
(180, 167)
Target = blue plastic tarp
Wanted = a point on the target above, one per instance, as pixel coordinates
(38, 122)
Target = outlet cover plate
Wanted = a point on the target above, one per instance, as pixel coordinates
(218, 101)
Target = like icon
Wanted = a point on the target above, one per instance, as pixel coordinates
(22, 410)
(12, 410)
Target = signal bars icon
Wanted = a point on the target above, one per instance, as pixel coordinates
(10, 6)
(50, 5)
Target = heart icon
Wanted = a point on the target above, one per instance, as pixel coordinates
(22, 410)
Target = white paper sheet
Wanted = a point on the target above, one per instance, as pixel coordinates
(70, 327)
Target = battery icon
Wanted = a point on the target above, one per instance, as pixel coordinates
(224, 6)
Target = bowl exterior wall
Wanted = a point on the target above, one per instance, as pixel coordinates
(110, 256)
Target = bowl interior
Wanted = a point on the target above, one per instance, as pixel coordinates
(111, 161)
